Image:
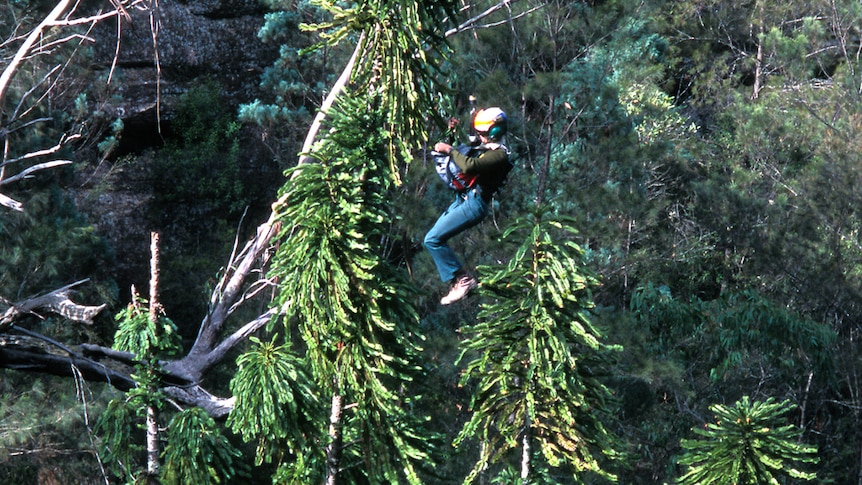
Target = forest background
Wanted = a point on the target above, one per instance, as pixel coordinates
(704, 151)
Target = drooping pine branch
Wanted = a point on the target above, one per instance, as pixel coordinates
(538, 356)
(353, 311)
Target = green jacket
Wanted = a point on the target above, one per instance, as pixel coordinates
(492, 166)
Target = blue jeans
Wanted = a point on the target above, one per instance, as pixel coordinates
(465, 212)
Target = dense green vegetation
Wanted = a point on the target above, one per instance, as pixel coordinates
(671, 275)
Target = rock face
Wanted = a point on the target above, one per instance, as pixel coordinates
(162, 54)
(165, 51)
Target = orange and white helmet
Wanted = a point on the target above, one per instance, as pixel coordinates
(491, 122)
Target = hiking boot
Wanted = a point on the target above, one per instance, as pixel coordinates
(460, 288)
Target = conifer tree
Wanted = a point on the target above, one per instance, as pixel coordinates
(342, 305)
(538, 359)
(196, 451)
(749, 444)
(345, 307)
(353, 311)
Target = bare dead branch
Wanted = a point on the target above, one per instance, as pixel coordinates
(471, 23)
(98, 351)
(17, 114)
(217, 407)
(229, 291)
(11, 203)
(155, 25)
(6, 77)
(46, 151)
(17, 355)
(49, 47)
(193, 369)
(52, 20)
(57, 301)
(28, 172)
(116, 52)
(94, 18)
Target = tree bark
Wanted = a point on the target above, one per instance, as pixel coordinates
(333, 449)
(758, 62)
(152, 443)
(525, 456)
(57, 301)
(758, 72)
(23, 354)
(155, 304)
(229, 294)
(153, 464)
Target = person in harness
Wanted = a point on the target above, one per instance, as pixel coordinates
(475, 173)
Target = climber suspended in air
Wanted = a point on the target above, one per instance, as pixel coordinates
(474, 171)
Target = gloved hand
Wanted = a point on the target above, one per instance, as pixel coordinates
(443, 148)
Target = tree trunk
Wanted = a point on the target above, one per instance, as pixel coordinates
(152, 444)
(152, 417)
(333, 450)
(758, 62)
(758, 72)
(155, 305)
(546, 167)
(525, 456)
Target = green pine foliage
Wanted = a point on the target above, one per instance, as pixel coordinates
(295, 83)
(121, 426)
(353, 311)
(121, 438)
(748, 444)
(538, 358)
(198, 171)
(31, 261)
(44, 428)
(275, 402)
(197, 453)
(139, 334)
(402, 54)
(738, 331)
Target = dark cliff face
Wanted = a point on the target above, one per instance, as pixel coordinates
(195, 41)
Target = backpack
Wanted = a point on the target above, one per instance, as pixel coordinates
(449, 171)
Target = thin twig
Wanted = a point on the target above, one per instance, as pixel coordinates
(12, 67)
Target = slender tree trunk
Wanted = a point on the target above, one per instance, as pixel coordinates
(525, 455)
(336, 89)
(155, 304)
(758, 72)
(333, 450)
(804, 404)
(758, 63)
(153, 464)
